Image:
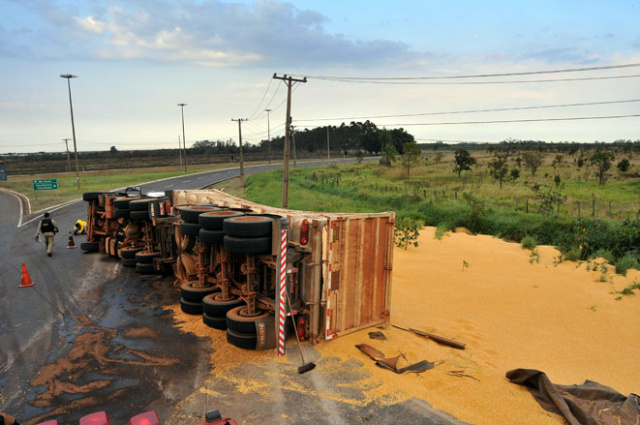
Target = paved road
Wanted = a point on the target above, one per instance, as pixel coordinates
(93, 336)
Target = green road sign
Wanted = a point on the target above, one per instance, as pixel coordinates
(45, 184)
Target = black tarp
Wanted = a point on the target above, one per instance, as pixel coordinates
(588, 404)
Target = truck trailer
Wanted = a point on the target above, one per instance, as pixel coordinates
(249, 269)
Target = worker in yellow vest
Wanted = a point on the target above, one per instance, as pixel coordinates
(80, 227)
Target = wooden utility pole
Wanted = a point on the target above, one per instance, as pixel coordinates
(241, 160)
(285, 170)
(66, 141)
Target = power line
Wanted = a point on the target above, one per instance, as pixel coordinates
(508, 74)
(440, 83)
(517, 121)
(520, 108)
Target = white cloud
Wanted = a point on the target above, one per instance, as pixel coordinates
(89, 24)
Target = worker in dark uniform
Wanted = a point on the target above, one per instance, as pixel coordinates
(7, 419)
(80, 228)
(48, 227)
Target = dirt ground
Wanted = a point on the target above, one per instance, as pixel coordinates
(513, 308)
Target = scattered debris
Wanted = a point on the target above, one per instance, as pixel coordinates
(461, 374)
(392, 362)
(377, 335)
(437, 338)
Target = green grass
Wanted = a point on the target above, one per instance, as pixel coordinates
(93, 181)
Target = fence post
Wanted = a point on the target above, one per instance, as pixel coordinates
(593, 205)
(527, 206)
(516, 204)
(578, 209)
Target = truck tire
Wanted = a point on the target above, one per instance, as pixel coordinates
(215, 322)
(248, 226)
(146, 257)
(139, 215)
(122, 213)
(90, 246)
(128, 253)
(145, 268)
(191, 229)
(215, 306)
(239, 321)
(91, 196)
(190, 213)
(190, 307)
(211, 237)
(141, 204)
(247, 245)
(213, 220)
(122, 203)
(192, 293)
(128, 262)
(240, 340)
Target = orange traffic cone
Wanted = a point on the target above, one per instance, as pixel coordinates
(71, 243)
(26, 280)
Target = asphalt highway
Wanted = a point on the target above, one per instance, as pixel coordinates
(91, 335)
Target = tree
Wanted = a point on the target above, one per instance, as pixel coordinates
(532, 160)
(113, 149)
(601, 159)
(463, 161)
(410, 156)
(623, 165)
(514, 174)
(498, 168)
(389, 156)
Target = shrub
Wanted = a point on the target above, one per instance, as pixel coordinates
(623, 264)
(529, 242)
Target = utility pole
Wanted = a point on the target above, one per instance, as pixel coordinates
(184, 142)
(73, 126)
(180, 150)
(285, 170)
(328, 148)
(268, 134)
(241, 159)
(66, 141)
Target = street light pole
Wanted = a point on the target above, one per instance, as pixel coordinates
(73, 126)
(268, 134)
(184, 141)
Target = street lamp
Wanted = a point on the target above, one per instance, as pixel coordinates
(184, 141)
(73, 126)
(268, 135)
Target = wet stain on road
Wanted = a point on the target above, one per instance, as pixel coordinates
(121, 354)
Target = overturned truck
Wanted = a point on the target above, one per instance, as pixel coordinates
(249, 269)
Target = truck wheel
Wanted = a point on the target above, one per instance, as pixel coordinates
(122, 213)
(248, 226)
(238, 320)
(190, 213)
(129, 253)
(211, 237)
(128, 262)
(213, 220)
(189, 229)
(139, 215)
(90, 246)
(215, 306)
(141, 204)
(192, 293)
(122, 203)
(91, 196)
(146, 257)
(247, 245)
(215, 322)
(240, 340)
(190, 307)
(145, 268)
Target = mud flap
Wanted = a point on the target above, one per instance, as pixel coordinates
(266, 332)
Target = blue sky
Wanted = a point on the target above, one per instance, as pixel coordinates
(136, 59)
